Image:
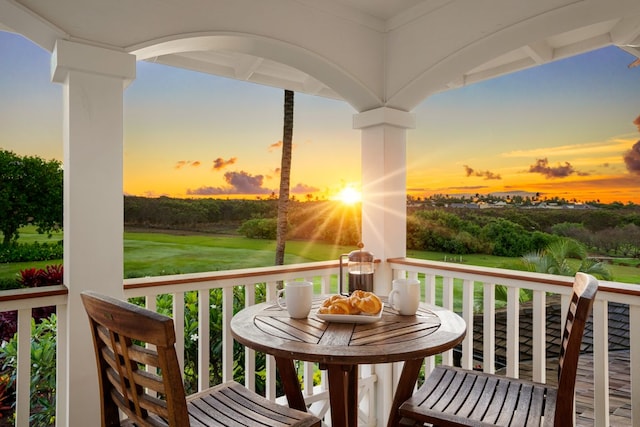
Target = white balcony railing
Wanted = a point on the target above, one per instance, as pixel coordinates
(440, 280)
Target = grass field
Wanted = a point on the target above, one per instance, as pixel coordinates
(156, 254)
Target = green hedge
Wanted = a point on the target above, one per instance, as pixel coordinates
(25, 252)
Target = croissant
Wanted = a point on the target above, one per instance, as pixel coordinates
(337, 304)
(366, 302)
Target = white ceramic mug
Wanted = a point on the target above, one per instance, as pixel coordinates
(297, 298)
(405, 296)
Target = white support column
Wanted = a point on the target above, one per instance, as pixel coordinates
(384, 206)
(384, 186)
(94, 80)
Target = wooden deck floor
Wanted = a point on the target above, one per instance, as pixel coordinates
(619, 388)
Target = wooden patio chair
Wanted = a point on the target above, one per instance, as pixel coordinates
(458, 397)
(156, 397)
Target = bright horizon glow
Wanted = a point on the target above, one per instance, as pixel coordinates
(349, 196)
(563, 129)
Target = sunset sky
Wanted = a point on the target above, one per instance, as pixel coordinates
(563, 129)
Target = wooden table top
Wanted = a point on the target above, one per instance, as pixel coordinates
(268, 328)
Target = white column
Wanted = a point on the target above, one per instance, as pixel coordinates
(384, 201)
(94, 80)
(384, 186)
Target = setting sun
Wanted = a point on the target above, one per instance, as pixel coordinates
(349, 196)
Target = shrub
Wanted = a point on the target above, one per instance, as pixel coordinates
(8, 284)
(25, 252)
(259, 228)
(43, 369)
(509, 239)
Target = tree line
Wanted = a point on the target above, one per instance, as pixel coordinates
(508, 232)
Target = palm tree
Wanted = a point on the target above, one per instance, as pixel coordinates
(554, 259)
(285, 175)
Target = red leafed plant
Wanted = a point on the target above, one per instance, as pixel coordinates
(4, 394)
(31, 278)
(53, 275)
(35, 277)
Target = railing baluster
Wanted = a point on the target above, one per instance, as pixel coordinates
(227, 338)
(307, 372)
(447, 302)
(203, 339)
(634, 338)
(325, 284)
(513, 332)
(150, 303)
(249, 354)
(601, 362)
(539, 336)
(430, 288)
(467, 314)
(270, 362)
(488, 328)
(62, 365)
(178, 322)
(23, 376)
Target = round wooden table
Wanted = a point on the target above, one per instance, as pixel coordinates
(341, 347)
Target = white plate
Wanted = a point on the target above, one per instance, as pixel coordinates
(350, 318)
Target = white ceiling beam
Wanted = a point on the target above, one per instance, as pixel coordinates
(541, 52)
(245, 65)
(24, 21)
(627, 32)
(456, 82)
(312, 86)
(583, 46)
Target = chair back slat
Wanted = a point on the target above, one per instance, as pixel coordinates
(585, 288)
(119, 330)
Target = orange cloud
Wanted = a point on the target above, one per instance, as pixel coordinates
(485, 174)
(561, 171)
(275, 146)
(239, 183)
(278, 145)
(181, 163)
(632, 158)
(220, 163)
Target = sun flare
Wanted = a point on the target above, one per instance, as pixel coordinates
(349, 196)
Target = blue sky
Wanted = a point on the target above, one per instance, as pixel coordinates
(560, 129)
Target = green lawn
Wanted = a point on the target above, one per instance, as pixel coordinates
(154, 254)
(150, 254)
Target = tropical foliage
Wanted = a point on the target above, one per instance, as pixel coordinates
(556, 259)
(43, 370)
(31, 193)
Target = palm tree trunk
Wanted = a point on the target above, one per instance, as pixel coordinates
(285, 175)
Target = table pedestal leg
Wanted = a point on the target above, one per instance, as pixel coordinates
(290, 383)
(406, 385)
(343, 394)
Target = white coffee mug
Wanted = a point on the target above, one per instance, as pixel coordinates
(297, 298)
(405, 296)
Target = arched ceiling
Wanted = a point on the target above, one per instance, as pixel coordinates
(370, 53)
